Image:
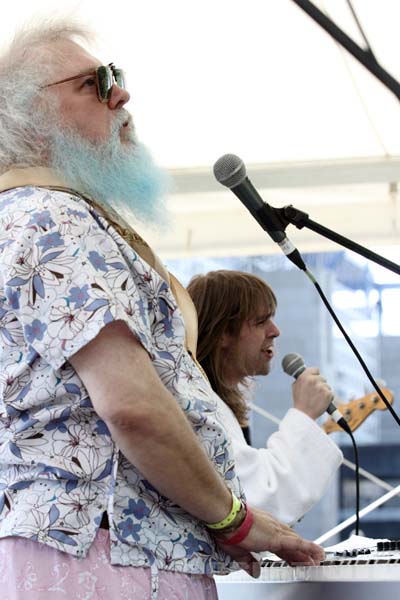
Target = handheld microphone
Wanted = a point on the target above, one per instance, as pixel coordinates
(230, 171)
(293, 364)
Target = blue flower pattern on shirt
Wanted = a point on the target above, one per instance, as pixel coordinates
(64, 274)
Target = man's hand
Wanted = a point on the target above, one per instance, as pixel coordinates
(311, 393)
(269, 534)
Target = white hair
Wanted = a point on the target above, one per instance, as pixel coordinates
(30, 61)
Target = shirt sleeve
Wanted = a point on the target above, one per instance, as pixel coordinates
(65, 279)
(294, 470)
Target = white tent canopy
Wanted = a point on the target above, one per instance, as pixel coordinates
(259, 79)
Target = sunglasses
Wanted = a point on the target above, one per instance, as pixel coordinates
(105, 77)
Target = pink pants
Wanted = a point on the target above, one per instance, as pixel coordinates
(33, 571)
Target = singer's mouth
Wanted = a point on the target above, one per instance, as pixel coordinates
(127, 131)
(269, 352)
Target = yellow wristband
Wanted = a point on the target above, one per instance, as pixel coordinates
(236, 507)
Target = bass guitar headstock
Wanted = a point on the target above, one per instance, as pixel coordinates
(356, 411)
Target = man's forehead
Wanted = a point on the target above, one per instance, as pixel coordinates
(264, 310)
(77, 59)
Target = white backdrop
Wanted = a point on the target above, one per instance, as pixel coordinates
(260, 79)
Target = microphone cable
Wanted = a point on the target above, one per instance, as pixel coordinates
(352, 346)
(370, 377)
(357, 480)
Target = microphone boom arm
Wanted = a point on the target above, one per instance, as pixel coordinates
(290, 214)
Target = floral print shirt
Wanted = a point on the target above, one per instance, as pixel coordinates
(64, 274)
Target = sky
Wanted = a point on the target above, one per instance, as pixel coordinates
(257, 78)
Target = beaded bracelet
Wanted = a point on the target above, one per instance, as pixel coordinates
(240, 533)
(228, 520)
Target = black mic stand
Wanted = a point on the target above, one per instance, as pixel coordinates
(290, 214)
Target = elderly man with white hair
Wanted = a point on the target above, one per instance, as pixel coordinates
(116, 478)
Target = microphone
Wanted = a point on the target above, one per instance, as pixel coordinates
(293, 364)
(230, 171)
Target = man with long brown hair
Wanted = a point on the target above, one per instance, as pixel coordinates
(236, 334)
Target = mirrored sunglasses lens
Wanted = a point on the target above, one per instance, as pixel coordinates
(104, 83)
(120, 78)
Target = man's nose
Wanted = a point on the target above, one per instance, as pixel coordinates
(274, 331)
(119, 97)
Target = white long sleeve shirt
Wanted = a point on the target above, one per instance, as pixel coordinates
(289, 475)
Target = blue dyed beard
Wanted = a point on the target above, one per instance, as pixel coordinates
(122, 175)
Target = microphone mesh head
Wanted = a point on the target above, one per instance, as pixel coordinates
(230, 170)
(292, 362)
